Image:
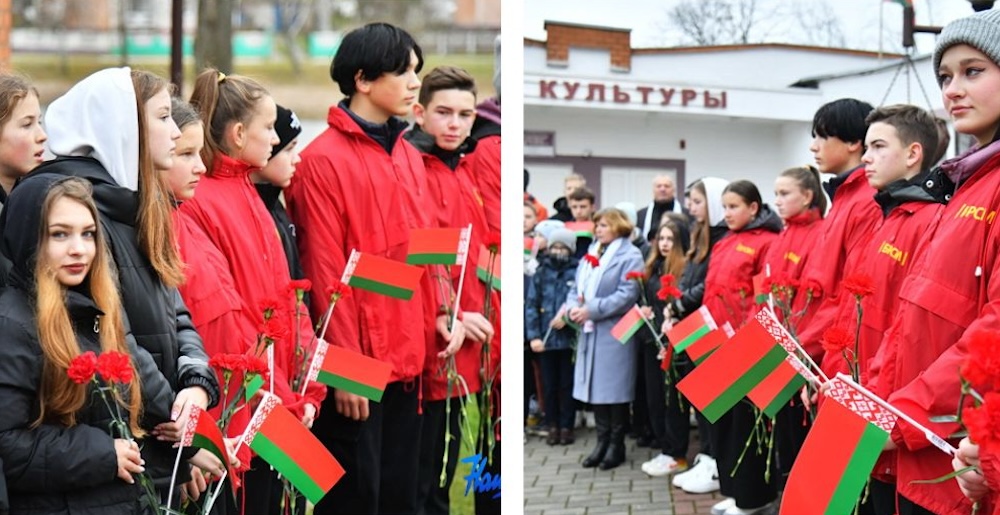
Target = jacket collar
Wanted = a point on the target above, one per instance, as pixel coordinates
(425, 144)
(268, 193)
(804, 218)
(831, 186)
(226, 166)
(929, 186)
(385, 134)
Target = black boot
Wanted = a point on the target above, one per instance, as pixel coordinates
(616, 447)
(602, 421)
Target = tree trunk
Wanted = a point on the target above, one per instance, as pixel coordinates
(213, 44)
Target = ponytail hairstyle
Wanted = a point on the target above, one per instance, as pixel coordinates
(807, 177)
(672, 264)
(701, 242)
(59, 397)
(222, 100)
(155, 223)
(747, 191)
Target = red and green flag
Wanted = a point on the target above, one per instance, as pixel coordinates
(202, 431)
(487, 269)
(438, 246)
(529, 245)
(350, 371)
(838, 454)
(788, 378)
(688, 331)
(706, 345)
(729, 374)
(631, 322)
(383, 276)
(282, 441)
(581, 229)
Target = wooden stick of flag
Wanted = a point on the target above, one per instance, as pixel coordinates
(463, 258)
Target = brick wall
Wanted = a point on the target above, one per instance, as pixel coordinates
(563, 36)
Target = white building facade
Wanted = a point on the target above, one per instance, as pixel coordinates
(619, 116)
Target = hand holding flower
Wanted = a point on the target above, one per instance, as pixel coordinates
(129, 460)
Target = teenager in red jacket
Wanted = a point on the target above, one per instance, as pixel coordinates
(953, 290)
(444, 116)
(239, 118)
(729, 296)
(360, 186)
(838, 142)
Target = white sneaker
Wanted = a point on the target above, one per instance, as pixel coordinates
(733, 510)
(680, 479)
(663, 465)
(720, 508)
(706, 481)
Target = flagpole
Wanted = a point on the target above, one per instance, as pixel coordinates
(173, 477)
(934, 439)
(236, 448)
(799, 348)
(466, 242)
(770, 291)
(659, 342)
(346, 276)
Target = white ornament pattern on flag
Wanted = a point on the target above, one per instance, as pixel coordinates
(767, 319)
(191, 426)
(856, 401)
(709, 319)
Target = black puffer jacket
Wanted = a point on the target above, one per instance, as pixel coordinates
(692, 281)
(156, 315)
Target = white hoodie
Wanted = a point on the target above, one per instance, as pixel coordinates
(98, 118)
(713, 197)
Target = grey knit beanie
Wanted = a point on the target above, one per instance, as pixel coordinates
(981, 31)
(565, 237)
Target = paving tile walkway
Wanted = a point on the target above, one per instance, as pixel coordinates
(556, 484)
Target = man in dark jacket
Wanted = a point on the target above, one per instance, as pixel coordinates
(664, 201)
(571, 183)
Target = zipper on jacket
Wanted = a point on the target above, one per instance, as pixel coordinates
(97, 324)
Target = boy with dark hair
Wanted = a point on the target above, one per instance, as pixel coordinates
(581, 205)
(901, 143)
(839, 129)
(361, 186)
(444, 119)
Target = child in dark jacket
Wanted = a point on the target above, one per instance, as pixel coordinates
(551, 337)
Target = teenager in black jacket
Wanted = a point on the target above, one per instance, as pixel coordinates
(59, 452)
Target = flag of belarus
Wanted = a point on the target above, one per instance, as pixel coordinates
(381, 275)
(631, 322)
(729, 374)
(203, 432)
(581, 229)
(788, 378)
(838, 455)
(691, 329)
(437, 246)
(282, 441)
(350, 371)
(488, 271)
(704, 347)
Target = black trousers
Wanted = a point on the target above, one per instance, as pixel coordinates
(529, 380)
(791, 427)
(746, 484)
(432, 499)
(883, 499)
(638, 423)
(668, 409)
(380, 456)
(262, 492)
(557, 383)
(485, 502)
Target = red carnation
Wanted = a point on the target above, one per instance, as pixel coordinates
(982, 365)
(635, 275)
(337, 290)
(837, 339)
(668, 292)
(115, 367)
(227, 362)
(275, 328)
(492, 242)
(812, 287)
(592, 260)
(270, 307)
(860, 285)
(255, 365)
(983, 421)
(81, 370)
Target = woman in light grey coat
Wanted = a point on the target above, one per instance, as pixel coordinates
(605, 368)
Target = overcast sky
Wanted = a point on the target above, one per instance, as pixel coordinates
(649, 19)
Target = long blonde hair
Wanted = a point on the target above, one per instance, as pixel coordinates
(155, 232)
(60, 398)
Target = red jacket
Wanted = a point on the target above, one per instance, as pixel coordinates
(788, 256)
(953, 289)
(736, 258)
(486, 172)
(222, 321)
(887, 258)
(457, 203)
(349, 193)
(845, 232)
(232, 216)
(989, 462)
